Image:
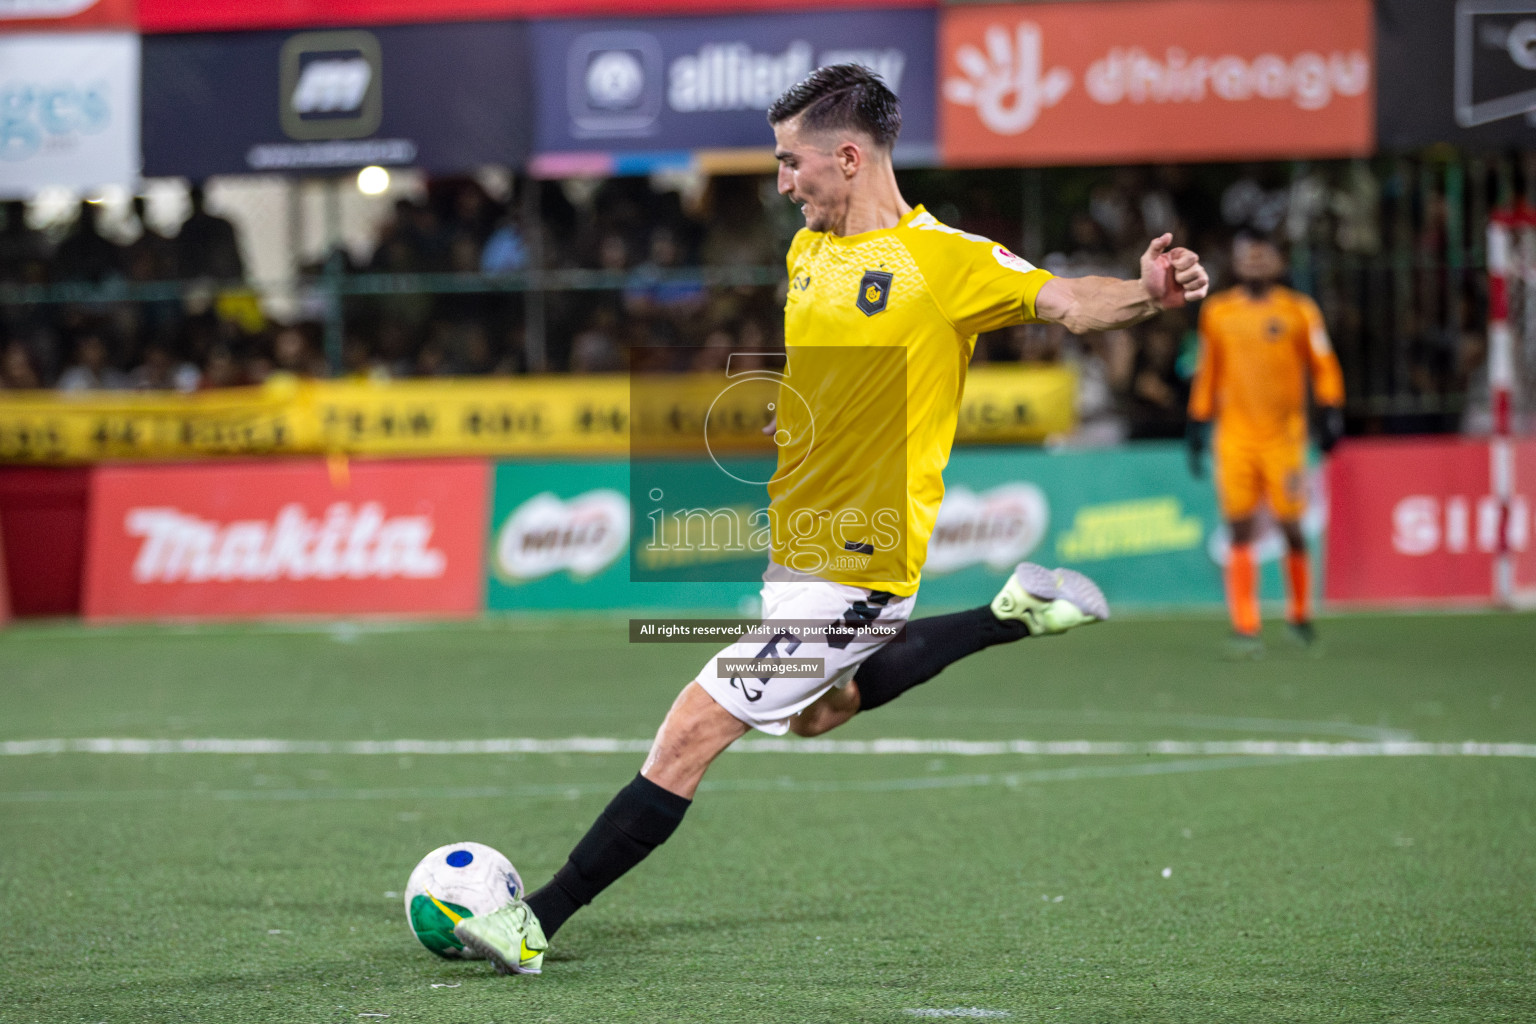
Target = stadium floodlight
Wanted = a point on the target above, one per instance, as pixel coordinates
(373, 180)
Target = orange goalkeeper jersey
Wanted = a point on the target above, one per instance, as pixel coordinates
(1256, 356)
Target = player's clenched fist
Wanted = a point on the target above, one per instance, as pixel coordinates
(1172, 276)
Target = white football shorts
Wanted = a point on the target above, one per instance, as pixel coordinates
(867, 620)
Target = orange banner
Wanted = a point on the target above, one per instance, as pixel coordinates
(1113, 82)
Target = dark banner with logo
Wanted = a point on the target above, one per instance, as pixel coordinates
(1462, 73)
(442, 97)
(680, 84)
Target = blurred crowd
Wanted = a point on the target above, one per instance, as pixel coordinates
(642, 302)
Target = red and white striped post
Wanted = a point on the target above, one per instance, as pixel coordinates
(1510, 234)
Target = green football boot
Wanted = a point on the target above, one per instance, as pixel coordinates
(1050, 601)
(510, 938)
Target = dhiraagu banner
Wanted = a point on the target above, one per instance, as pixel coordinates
(569, 534)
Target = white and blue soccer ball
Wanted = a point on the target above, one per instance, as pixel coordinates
(454, 882)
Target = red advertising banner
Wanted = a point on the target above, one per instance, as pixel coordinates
(222, 15)
(1107, 82)
(293, 538)
(51, 15)
(1522, 518)
(1416, 520)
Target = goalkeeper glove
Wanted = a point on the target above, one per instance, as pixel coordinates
(1196, 435)
(1330, 427)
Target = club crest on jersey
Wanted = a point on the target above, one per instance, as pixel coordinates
(874, 291)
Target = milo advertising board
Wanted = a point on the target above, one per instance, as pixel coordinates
(561, 534)
(572, 535)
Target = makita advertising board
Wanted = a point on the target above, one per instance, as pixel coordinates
(445, 98)
(680, 84)
(1462, 73)
(1106, 82)
(311, 537)
(71, 111)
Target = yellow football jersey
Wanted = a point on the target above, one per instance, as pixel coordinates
(879, 328)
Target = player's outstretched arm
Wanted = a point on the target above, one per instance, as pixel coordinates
(1169, 278)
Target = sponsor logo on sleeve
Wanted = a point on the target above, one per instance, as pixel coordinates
(1012, 262)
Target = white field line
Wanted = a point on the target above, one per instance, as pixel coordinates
(574, 791)
(955, 748)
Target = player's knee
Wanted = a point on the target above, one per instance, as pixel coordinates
(813, 721)
(1295, 540)
(806, 724)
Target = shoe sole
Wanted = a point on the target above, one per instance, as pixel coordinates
(489, 952)
(1067, 584)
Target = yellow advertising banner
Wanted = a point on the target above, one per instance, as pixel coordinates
(527, 416)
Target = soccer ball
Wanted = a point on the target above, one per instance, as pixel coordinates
(454, 882)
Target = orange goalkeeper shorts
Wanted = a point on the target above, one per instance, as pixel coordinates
(1249, 473)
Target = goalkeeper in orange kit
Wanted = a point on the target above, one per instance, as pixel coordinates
(1260, 346)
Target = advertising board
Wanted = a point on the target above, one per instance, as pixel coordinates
(531, 416)
(310, 537)
(445, 98)
(668, 86)
(1160, 80)
(71, 103)
(1416, 520)
(569, 534)
(1462, 73)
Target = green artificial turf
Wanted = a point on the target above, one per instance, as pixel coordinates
(802, 887)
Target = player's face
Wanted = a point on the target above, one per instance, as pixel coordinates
(810, 175)
(1256, 262)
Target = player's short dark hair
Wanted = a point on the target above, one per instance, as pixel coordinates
(842, 96)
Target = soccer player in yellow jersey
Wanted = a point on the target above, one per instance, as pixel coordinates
(1260, 346)
(884, 306)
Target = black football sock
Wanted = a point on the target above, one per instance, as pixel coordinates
(931, 645)
(633, 824)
